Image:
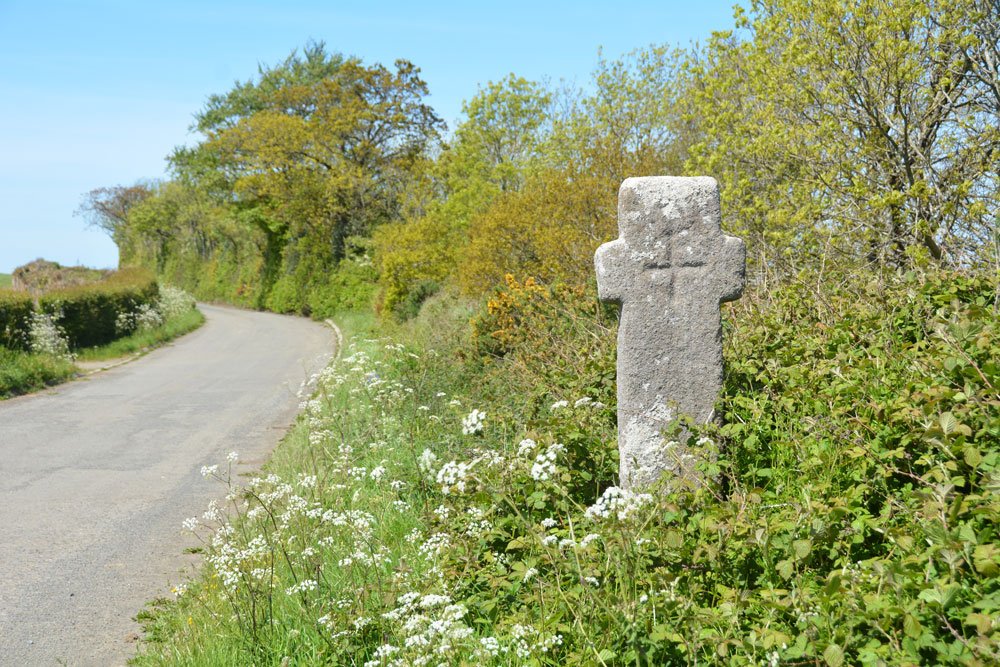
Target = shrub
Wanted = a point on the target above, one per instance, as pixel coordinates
(549, 228)
(554, 339)
(414, 252)
(409, 307)
(89, 313)
(286, 296)
(15, 313)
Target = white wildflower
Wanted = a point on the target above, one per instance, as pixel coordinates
(618, 503)
(301, 587)
(453, 475)
(426, 462)
(526, 446)
(473, 422)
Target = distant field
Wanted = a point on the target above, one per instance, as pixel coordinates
(4, 280)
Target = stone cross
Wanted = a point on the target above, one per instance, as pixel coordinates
(669, 270)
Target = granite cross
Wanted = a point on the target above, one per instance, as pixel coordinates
(670, 269)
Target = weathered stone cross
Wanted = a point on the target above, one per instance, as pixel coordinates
(670, 270)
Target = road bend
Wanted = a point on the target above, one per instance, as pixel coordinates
(96, 476)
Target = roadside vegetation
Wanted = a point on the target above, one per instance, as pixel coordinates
(449, 494)
(115, 315)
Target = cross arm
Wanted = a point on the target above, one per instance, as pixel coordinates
(731, 269)
(611, 266)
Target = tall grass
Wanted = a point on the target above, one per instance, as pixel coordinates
(5, 280)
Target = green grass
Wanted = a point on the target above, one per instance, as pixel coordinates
(5, 280)
(23, 372)
(144, 340)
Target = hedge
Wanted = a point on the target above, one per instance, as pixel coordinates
(15, 315)
(87, 313)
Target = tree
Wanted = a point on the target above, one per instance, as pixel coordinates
(490, 155)
(108, 208)
(857, 128)
(333, 157)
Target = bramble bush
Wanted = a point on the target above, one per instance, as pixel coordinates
(422, 513)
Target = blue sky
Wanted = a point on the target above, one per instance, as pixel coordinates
(96, 94)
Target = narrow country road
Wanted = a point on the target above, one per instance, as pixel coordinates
(97, 475)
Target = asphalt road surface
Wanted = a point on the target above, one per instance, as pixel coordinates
(96, 476)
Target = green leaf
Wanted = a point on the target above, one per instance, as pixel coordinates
(948, 422)
(911, 626)
(802, 548)
(972, 457)
(674, 539)
(833, 655)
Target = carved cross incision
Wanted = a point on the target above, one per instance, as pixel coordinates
(670, 269)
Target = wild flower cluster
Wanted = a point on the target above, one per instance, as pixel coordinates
(145, 318)
(172, 302)
(359, 554)
(47, 337)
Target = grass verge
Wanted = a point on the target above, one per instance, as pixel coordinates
(23, 372)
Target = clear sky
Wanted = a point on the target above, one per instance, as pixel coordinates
(97, 93)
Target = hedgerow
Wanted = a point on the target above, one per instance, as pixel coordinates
(89, 313)
(15, 314)
(36, 349)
